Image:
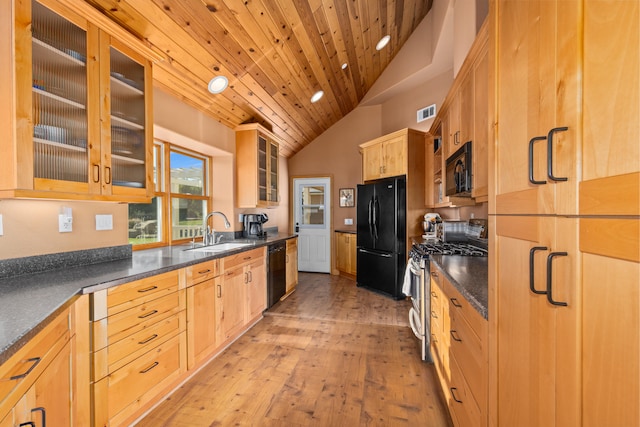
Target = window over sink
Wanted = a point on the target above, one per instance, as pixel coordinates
(180, 202)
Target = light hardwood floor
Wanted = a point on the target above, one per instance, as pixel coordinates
(331, 354)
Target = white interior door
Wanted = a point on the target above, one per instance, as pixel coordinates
(312, 210)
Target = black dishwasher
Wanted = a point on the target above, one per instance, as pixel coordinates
(276, 274)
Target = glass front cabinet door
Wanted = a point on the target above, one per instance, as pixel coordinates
(81, 123)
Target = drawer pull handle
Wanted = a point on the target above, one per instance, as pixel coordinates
(151, 313)
(453, 394)
(433, 294)
(453, 335)
(34, 361)
(150, 288)
(204, 271)
(455, 302)
(433, 314)
(151, 338)
(247, 258)
(44, 414)
(153, 365)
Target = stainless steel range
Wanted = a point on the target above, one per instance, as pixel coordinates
(418, 268)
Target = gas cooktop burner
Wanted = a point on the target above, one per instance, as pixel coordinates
(451, 248)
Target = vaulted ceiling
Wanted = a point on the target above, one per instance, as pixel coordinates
(275, 53)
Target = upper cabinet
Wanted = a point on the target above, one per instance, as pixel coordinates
(80, 124)
(256, 167)
(463, 117)
(384, 157)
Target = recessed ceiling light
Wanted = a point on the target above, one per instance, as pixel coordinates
(218, 84)
(383, 42)
(344, 66)
(316, 96)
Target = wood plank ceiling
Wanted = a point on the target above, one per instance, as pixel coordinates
(275, 53)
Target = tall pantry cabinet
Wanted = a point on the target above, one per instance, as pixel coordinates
(565, 213)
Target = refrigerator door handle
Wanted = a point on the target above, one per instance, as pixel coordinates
(375, 253)
(375, 218)
(370, 217)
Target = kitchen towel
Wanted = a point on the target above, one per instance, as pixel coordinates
(407, 287)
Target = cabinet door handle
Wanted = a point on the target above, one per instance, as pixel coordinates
(531, 269)
(151, 338)
(43, 413)
(96, 172)
(107, 175)
(550, 278)
(219, 291)
(250, 276)
(153, 365)
(434, 295)
(150, 288)
(550, 154)
(531, 142)
(34, 361)
(246, 278)
(151, 313)
(455, 302)
(453, 390)
(28, 423)
(454, 334)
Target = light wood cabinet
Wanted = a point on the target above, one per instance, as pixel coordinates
(463, 117)
(242, 295)
(405, 155)
(460, 351)
(82, 119)
(566, 269)
(384, 157)
(256, 167)
(202, 285)
(40, 381)
(346, 254)
(292, 264)
(139, 345)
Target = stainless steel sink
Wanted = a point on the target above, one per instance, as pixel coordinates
(220, 247)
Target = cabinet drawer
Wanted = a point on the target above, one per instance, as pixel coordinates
(137, 318)
(478, 324)
(204, 271)
(129, 383)
(127, 349)
(23, 368)
(464, 408)
(123, 297)
(468, 351)
(243, 258)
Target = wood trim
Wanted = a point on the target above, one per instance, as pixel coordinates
(616, 238)
(615, 195)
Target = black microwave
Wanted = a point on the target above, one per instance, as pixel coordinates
(458, 182)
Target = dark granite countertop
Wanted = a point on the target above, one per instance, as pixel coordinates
(469, 275)
(29, 301)
(345, 231)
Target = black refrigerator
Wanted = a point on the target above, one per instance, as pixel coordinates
(381, 228)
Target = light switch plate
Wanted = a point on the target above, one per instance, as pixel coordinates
(104, 222)
(65, 223)
(348, 221)
(1, 226)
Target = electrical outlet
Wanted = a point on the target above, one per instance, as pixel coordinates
(65, 220)
(104, 222)
(240, 217)
(348, 221)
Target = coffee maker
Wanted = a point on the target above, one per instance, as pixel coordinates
(253, 226)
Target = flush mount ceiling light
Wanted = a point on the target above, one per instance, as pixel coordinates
(218, 84)
(316, 96)
(383, 42)
(344, 66)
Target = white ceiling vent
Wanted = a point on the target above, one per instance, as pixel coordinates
(426, 113)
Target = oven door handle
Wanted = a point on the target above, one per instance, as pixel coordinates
(414, 318)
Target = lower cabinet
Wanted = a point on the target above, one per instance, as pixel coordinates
(43, 382)
(203, 282)
(139, 345)
(346, 253)
(292, 264)
(460, 351)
